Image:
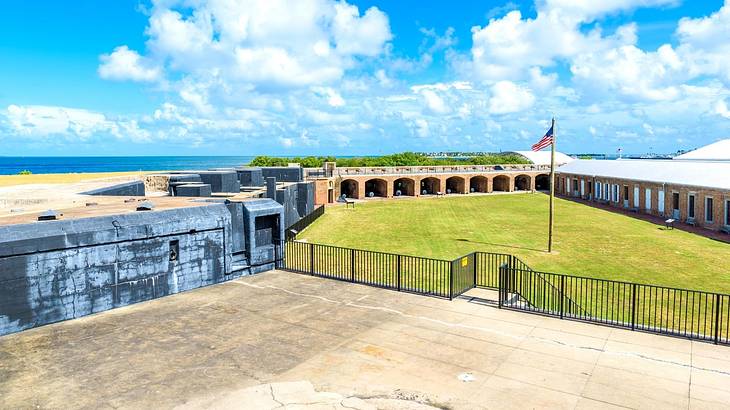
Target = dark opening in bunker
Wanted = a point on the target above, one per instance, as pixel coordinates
(404, 186)
(349, 188)
(479, 184)
(375, 188)
(455, 185)
(430, 186)
(542, 182)
(522, 183)
(267, 230)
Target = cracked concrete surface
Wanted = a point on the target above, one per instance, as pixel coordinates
(281, 340)
(298, 395)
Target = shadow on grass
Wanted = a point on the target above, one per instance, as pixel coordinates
(503, 245)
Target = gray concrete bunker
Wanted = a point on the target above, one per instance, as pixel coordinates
(57, 270)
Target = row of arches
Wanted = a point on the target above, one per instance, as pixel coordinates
(378, 187)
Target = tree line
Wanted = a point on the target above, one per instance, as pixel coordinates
(392, 160)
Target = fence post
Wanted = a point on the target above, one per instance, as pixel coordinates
(398, 272)
(352, 265)
(502, 284)
(633, 306)
(311, 259)
(451, 280)
(475, 256)
(717, 318)
(562, 294)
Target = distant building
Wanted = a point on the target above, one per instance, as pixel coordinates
(693, 188)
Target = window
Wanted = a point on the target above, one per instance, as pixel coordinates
(647, 199)
(675, 200)
(615, 193)
(691, 206)
(598, 189)
(575, 185)
(709, 214)
(727, 212)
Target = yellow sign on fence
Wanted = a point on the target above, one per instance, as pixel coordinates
(464, 261)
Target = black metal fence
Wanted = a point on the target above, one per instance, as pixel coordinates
(386, 270)
(298, 226)
(680, 312)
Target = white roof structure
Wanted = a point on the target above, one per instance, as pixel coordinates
(543, 157)
(707, 174)
(717, 151)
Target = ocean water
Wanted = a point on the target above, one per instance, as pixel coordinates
(54, 165)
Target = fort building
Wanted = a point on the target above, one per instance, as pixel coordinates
(693, 188)
(332, 182)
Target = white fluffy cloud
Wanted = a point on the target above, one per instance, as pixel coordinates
(602, 66)
(508, 97)
(273, 74)
(43, 121)
(37, 121)
(126, 64)
(722, 110)
(255, 44)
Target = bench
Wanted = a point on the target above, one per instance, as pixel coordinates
(690, 221)
(440, 193)
(669, 223)
(349, 202)
(725, 229)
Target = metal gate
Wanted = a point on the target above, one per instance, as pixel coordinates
(463, 274)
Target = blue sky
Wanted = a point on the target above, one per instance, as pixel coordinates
(228, 77)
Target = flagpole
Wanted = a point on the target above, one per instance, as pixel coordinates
(552, 188)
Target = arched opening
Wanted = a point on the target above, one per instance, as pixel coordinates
(430, 186)
(404, 186)
(349, 188)
(479, 184)
(455, 185)
(542, 182)
(501, 183)
(522, 183)
(375, 187)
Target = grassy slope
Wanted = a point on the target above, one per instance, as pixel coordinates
(588, 241)
(8, 180)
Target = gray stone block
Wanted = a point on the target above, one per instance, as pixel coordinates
(221, 181)
(193, 190)
(284, 174)
(134, 188)
(250, 176)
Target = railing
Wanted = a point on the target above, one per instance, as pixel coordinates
(386, 270)
(298, 226)
(680, 312)
(345, 171)
(658, 309)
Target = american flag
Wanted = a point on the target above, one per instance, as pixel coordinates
(545, 141)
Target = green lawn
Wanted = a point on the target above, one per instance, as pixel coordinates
(588, 241)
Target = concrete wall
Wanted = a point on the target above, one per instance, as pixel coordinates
(134, 188)
(58, 270)
(284, 174)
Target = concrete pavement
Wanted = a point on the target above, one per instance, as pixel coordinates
(281, 339)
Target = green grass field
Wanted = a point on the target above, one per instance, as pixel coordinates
(588, 241)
